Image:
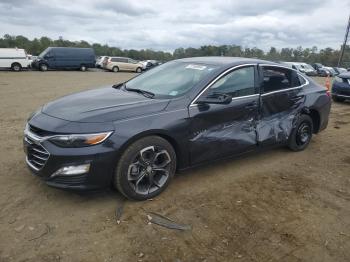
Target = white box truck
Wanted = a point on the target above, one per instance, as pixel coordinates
(14, 58)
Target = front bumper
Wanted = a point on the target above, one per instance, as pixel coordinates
(49, 158)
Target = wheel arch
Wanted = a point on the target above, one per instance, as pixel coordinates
(16, 63)
(316, 118)
(163, 134)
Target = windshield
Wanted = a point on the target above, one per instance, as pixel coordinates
(307, 66)
(331, 70)
(298, 66)
(43, 53)
(171, 79)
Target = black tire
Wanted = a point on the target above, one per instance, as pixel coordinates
(115, 69)
(83, 68)
(43, 67)
(16, 67)
(302, 133)
(135, 177)
(138, 70)
(338, 99)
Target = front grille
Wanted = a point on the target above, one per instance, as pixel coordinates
(37, 155)
(70, 180)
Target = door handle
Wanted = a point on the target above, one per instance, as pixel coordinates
(296, 98)
(251, 105)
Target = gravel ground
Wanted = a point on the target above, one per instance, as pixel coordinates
(270, 206)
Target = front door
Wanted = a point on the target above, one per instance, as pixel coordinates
(220, 130)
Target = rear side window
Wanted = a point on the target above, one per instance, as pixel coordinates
(302, 80)
(278, 78)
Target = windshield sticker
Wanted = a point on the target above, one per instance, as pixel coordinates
(196, 67)
(173, 93)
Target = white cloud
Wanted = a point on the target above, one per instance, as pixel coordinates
(166, 25)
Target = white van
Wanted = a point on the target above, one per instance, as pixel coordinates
(14, 58)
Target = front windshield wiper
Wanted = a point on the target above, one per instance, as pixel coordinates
(145, 93)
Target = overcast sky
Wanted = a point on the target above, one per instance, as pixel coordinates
(166, 25)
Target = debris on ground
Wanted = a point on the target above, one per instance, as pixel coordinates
(163, 221)
(119, 213)
(46, 231)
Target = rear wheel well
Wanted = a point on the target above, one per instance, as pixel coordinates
(315, 116)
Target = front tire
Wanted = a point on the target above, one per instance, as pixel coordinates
(115, 69)
(43, 67)
(146, 168)
(138, 70)
(83, 68)
(301, 134)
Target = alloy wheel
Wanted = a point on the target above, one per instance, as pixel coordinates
(150, 170)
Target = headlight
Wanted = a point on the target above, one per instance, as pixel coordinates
(338, 79)
(79, 140)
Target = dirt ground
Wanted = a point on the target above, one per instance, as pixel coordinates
(271, 206)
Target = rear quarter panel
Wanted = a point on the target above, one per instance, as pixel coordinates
(317, 99)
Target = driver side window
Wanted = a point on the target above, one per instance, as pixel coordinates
(239, 82)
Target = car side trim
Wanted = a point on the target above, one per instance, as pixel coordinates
(193, 103)
(282, 90)
(335, 94)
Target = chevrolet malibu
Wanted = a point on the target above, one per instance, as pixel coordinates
(136, 135)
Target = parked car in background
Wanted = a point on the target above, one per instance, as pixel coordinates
(308, 69)
(331, 71)
(339, 70)
(14, 58)
(302, 67)
(184, 113)
(321, 70)
(148, 64)
(65, 58)
(151, 64)
(100, 61)
(294, 65)
(341, 87)
(116, 64)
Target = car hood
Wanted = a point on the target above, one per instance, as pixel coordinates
(345, 75)
(103, 105)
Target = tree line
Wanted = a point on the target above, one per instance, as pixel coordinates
(327, 56)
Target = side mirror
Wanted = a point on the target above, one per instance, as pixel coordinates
(215, 98)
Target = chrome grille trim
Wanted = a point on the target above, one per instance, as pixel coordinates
(37, 155)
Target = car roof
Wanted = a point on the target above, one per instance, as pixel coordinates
(345, 75)
(224, 60)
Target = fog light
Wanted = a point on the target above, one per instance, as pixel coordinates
(72, 170)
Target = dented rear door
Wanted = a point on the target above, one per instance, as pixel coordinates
(282, 100)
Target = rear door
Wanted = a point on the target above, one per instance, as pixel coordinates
(124, 65)
(282, 98)
(220, 130)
